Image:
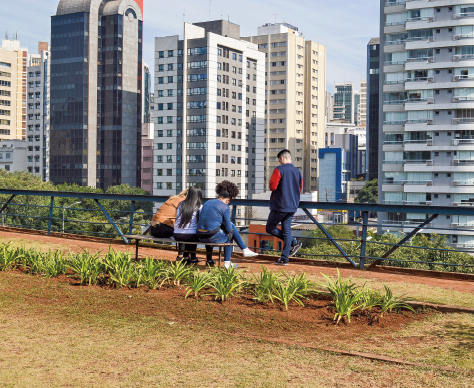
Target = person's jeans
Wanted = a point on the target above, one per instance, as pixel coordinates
(165, 231)
(190, 249)
(284, 234)
(221, 237)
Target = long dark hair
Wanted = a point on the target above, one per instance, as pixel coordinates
(189, 205)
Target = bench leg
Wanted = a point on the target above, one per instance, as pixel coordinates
(220, 255)
(136, 249)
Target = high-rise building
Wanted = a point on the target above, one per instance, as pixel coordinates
(427, 112)
(96, 80)
(38, 105)
(343, 108)
(147, 132)
(295, 98)
(362, 108)
(373, 69)
(13, 78)
(209, 110)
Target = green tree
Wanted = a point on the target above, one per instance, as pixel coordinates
(368, 193)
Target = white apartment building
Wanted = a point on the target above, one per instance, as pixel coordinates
(295, 98)
(37, 119)
(427, 111)
(13, 155)
(209, 105)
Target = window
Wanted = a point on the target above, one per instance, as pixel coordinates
(170, 80)
(161, 80)
(170, 53)
(169, 159)
(159, 159)
(170, 66)
(161, 54)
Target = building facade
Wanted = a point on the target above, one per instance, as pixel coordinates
(295, 98)
(362, 109)
(96, 81)
(13, 155)
(13, 82)
(343, 102)
(373, 74)
(427, 112)
(209, 110)
(37, 121)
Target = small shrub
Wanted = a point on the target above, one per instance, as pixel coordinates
(345, 297)
(120, 267)
(198, 281)
(53, 264)
(178, 271)
(390, 302)
(264, 283)
(370, 299)
(285, 292)
(151, 273)
(10, 257)
(87, 266)
(225, 283)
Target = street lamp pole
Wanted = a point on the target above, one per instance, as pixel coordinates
(67, 207)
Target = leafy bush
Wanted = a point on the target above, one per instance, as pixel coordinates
(225, 283)
(87, 266)
(178, 271)
(264, 283)
(198, 281)
(120, 267)
(390, 302)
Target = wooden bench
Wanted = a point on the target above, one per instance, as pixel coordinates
(139, 237)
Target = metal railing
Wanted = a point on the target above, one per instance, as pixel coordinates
(51, 211)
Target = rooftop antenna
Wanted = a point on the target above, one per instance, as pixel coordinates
(6, 34)
(184, 13)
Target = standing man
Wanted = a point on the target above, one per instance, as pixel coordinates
(286, 185)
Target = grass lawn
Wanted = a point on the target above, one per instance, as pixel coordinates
(53, 335)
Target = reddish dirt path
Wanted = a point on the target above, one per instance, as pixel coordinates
(77, 243)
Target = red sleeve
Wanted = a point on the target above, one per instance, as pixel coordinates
(301, 186)
(274, 180)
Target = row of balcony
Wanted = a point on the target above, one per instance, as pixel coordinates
(430, 59)
(430, 183)
(427, 142)
(455, 121)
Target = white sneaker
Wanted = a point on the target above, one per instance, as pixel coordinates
(229, 264)
(248, 253)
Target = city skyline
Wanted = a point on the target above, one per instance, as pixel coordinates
(346, 51)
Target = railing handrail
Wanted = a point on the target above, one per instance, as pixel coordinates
(442, 210)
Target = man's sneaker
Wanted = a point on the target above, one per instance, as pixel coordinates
(281, 262)
(181, 258)
(295, 248)
(192, 261)
(210, 263)
(229, 264)
(248, 253)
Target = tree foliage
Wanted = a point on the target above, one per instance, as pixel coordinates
(368, 193)
(80, 215)
(323, 249)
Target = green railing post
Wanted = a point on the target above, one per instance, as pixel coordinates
(363, 240)
(50, 221)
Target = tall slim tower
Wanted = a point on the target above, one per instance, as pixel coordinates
(295, 98)
(373, 74)
(96, 81)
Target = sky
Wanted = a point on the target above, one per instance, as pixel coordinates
(344, 27)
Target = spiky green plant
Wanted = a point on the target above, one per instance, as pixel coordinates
(198, 281)
(10, 257)
(285, 292)
(87, 266)
(151, 273)
(225, 283)
(390, 302)
(53, 264)
(120, 267)
(263, 285)
(370, 298)
(301, 283)
(178, 271)
(345, 296)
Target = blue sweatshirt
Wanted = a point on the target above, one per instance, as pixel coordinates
(215, 213)
(286, 183)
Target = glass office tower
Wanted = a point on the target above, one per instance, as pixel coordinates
(96, 70)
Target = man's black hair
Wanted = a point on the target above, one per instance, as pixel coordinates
(285, 153)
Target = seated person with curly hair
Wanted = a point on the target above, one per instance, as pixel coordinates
(214, 225)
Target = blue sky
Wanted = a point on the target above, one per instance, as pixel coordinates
(344, 27)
